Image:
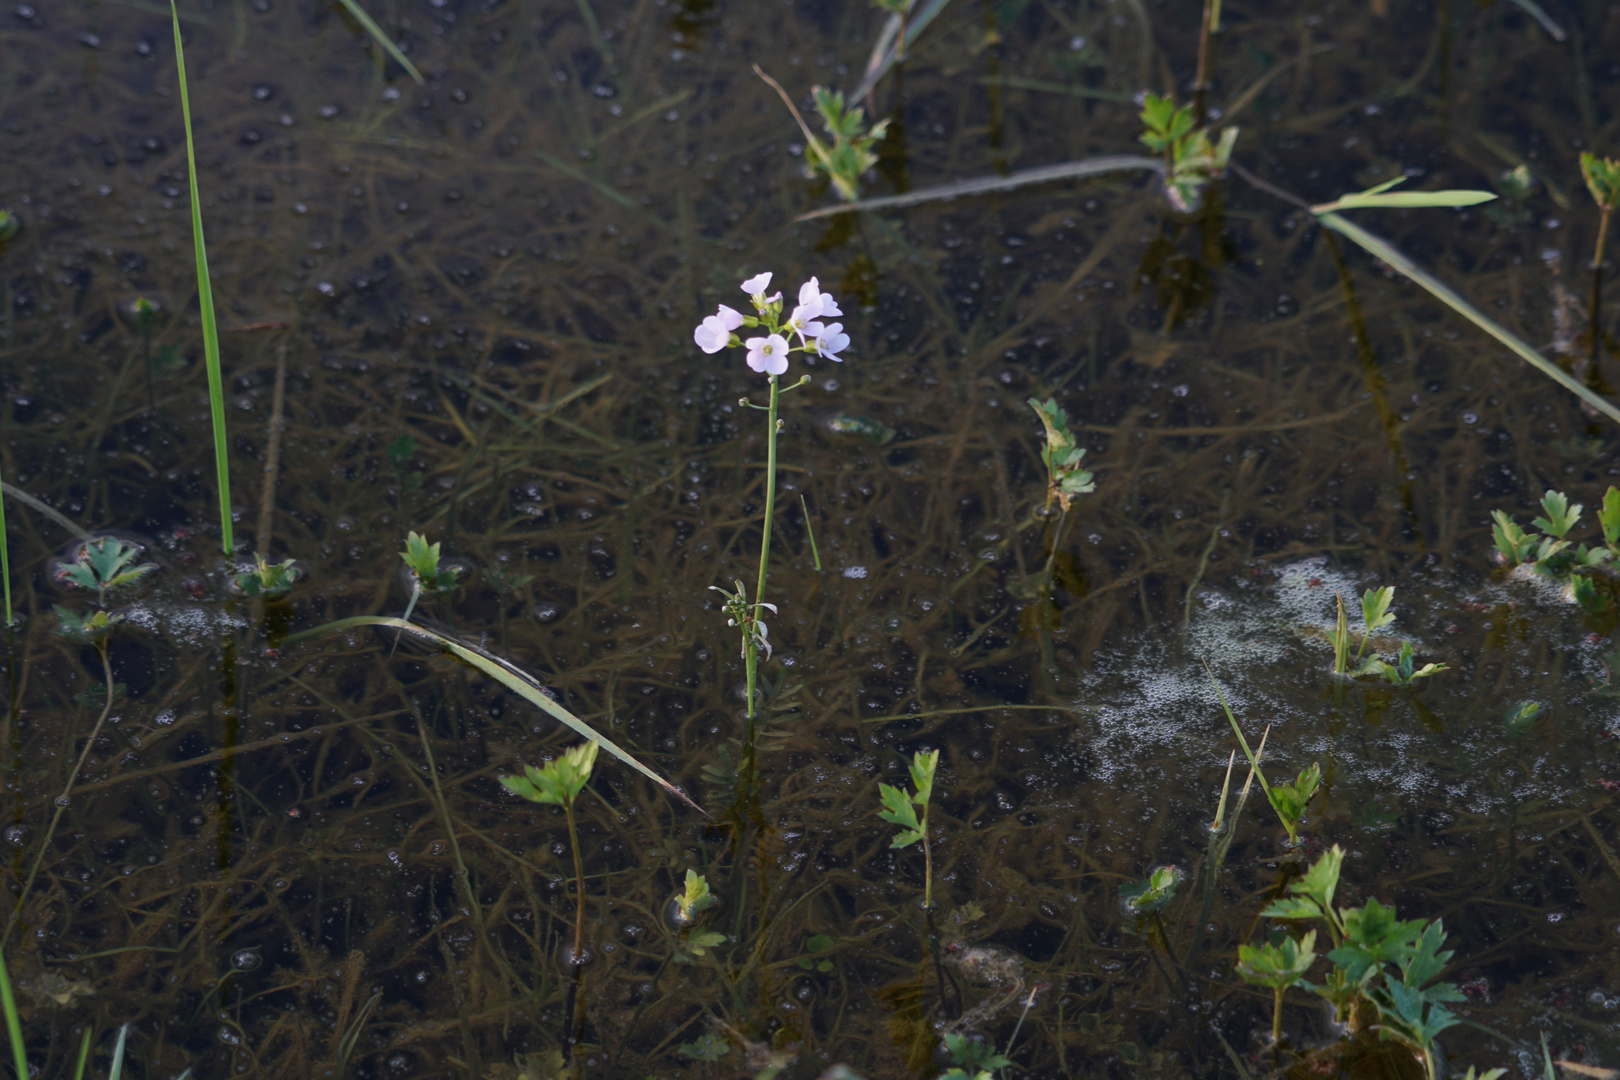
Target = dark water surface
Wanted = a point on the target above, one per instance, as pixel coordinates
(488, 286)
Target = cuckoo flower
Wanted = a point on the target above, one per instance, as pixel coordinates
(714, 333)
(768, 355)
(755, 288)
(830, 340)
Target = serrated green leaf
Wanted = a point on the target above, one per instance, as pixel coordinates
(1375, 607)
(1609, 516)
(1560, 516)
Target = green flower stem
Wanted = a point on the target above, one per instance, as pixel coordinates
(575, 965)
(764, 550)
(1593, 373)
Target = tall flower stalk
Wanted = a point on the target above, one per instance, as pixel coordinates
(802, 331)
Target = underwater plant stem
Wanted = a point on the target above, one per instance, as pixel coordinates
(1276, 1014)
(205, 303)
(1593, 376)
(1206, 60)
(62, 800)
(575, 961)
(5, 559)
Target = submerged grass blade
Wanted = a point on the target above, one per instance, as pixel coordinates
(814, 554)
(353, 8)
(8, 1002)
(5, 558)
(883, 52)
(205, 301)
(1068, 170)
(1443, 292)
(351, 1037)
(1254, 762)
(509, 675)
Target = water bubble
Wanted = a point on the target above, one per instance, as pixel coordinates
(246, 959)
(17, 835)
(1470, 418)
(63, 800)
(421, 976)
(567, 959)
(546, 612)
(229, 1036)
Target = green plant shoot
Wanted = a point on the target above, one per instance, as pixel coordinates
(1191, 160)
(269, 580)
(1153, 895)
(1061, 456)
(1277, 966)
(851, 153)
(87, 630)
(695, 897)
(1375, 613)
(900, 809)
(427, 576)
(559, 782)
(1291, 800)
(104, 565)
(1401, 672)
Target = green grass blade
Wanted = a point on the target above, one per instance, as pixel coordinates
(1442, 292)
(84, 1053)
(1236, 730)
(882, 57)
(117, 1069)
(814, 554)
(353, 7)
(509, 675)
(1403, 200)
(1068, 170)
(5, 558)
(205, 301)
(8, 1003)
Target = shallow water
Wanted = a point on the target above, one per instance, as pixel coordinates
(466, 308)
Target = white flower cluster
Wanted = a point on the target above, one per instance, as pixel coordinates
(768, 354)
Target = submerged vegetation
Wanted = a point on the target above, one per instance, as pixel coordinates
(320, 797)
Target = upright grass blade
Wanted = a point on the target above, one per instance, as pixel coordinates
(1442, 292)
(509, 675)
(84, 1052)
(117, 1069)
(351, 1037)
(8, 1003)
(1068, 170)
(205, 301)
(353, 8)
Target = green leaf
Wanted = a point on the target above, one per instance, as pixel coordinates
(1290, 800)
(1322, 879)
(819, 943)
(1522, 717)
(1511, 540)
(695, 896)
(898, 810)
(923, 766)
(706, 1047)
(1561, 517)
(1375, 607)
(1293, 907)
(1602, 176)
(400, 452)
(1373, 936)
(1609, 516)
(1152, 895)
(559, 782)
(1277, 966)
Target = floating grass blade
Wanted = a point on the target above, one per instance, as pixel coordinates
(1442, 292)
(1068, 170)
(205, 301)
(8, 1003)
(509, 675)
(353, 8)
